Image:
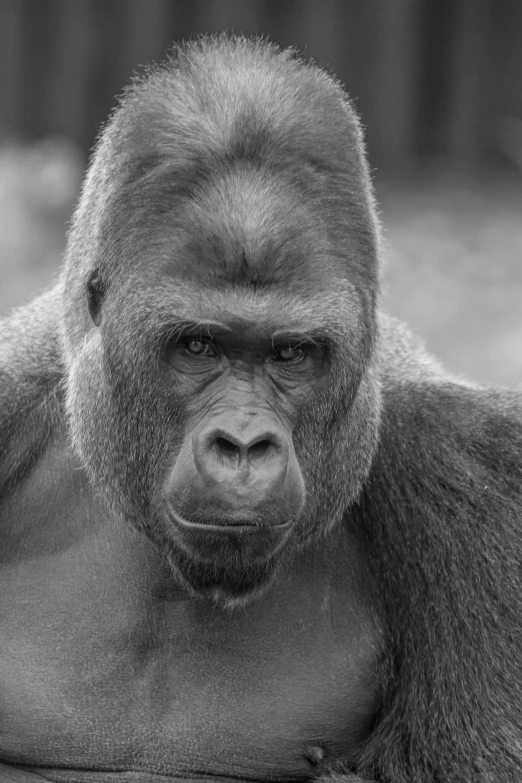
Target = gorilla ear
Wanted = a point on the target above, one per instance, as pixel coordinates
(95, 294)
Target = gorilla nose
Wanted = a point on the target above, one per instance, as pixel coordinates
(241, 451)
(231, 447)
(237, 469)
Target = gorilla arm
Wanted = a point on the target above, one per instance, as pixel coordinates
(441, 514)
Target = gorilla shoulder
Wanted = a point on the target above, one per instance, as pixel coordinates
(30, 385)
(442, 423)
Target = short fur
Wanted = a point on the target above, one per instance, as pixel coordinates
(426, 468)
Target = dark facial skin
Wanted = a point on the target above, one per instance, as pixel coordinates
(238, 462)
(236, 484)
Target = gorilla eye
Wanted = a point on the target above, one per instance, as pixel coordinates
(198, 347)
(288, 353)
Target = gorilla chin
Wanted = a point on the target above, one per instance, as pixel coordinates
(230, 562)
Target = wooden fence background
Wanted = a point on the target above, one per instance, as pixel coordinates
(429, 77)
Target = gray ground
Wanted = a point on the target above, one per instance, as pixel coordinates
(453, 248)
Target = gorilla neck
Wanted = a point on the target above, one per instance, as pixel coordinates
(152, 668)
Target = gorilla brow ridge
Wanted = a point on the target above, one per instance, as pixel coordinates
(187, 328)
(184, 328)
(339, 307)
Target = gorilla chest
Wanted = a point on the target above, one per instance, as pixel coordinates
(98, 673)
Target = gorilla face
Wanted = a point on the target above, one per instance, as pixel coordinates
(235, 492)
(220, 382)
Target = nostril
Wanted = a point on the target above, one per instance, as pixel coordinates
(260, 449)
(226, 447)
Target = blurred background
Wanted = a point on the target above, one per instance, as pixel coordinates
(438, 84)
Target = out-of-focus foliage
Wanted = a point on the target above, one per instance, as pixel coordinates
(453, 253)
(38, 188)
(454, 269)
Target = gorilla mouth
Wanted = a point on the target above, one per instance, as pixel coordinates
(238, 524)
(252, 535)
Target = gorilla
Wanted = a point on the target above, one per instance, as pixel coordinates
(250, 530)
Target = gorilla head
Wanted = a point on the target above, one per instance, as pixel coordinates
(219, 312)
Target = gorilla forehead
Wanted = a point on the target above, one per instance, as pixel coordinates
(240, 226)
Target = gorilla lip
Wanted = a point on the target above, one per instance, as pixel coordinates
(231, 527)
